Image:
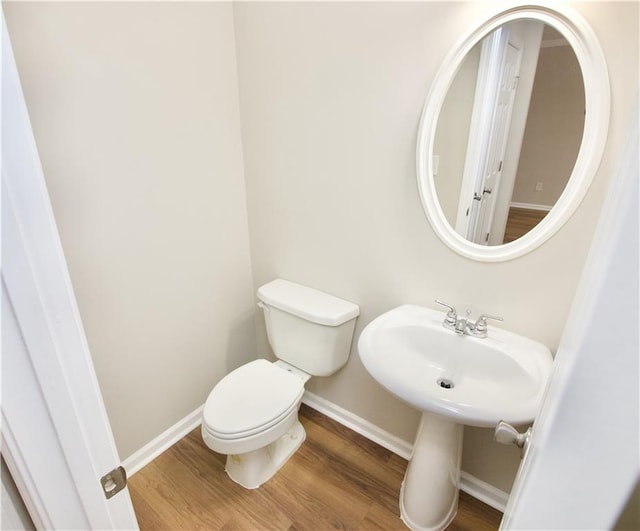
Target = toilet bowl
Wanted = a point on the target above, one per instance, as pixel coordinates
(251, 415)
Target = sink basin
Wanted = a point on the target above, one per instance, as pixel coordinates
(473, 381)
(454, 380)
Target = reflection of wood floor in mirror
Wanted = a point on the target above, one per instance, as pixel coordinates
(336, 480)
(521, 221)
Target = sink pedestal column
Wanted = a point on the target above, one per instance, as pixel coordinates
(429, 495)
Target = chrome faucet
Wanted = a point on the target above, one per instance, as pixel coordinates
(462, 325)
(480, 328)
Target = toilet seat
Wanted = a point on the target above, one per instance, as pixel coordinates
(250, 400)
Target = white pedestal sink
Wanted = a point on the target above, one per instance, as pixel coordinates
(454, 380)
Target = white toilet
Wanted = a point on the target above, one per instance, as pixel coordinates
(252, 413)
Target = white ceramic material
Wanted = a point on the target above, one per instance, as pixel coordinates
(501, 377)
(307, 328)
(251, 415)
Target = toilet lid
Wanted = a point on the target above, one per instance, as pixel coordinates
(251, 399)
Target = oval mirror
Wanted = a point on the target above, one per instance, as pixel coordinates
(512, 132)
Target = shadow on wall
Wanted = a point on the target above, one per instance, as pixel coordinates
(241, 347)
(630, 517)
(14, 512)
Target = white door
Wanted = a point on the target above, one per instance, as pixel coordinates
(498, 71)
(583, 462)
(489, 180)
(56, 437)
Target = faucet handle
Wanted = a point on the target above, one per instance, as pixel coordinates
(481, 324)
(452, 316)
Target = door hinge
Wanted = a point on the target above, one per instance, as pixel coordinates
(114, 482)
(486, 238)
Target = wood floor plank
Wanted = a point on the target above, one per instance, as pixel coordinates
(338, 479)
(321, 494)
(520, 221)
(379, 518)
(345, 434)
(473, 515)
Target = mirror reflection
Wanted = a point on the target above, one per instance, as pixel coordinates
(509, 132)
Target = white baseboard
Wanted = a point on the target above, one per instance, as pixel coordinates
(483, 491)
(531, 206)
(470, 484)
(358, 424)
(162, 442)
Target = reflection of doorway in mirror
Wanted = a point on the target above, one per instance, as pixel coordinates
(503, 51)
(553, 132)
(466, 149)
(496, 130)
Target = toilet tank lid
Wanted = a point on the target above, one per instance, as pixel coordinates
(307, 303)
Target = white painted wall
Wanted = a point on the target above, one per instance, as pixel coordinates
(554, 128)
(330, 96)
(452, 134)
(134, 107)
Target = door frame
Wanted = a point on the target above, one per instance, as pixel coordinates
(483, 142)
(482, 115)
(501, 140)
(582, 461)
(37, 291)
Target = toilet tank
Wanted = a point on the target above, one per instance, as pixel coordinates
(307, 328)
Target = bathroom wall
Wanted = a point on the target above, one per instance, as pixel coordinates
(134, 107)
(554, 127)
(452, 135)
(330, 98)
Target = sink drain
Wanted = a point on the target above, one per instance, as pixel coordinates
(444, 383)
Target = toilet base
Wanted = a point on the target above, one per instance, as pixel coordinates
(252, 469)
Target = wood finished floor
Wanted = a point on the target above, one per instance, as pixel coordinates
(520, 221)
(336, 480)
